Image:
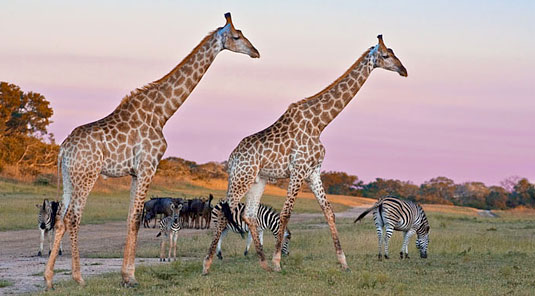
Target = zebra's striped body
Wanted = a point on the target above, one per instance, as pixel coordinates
(267, 218)
(46, 221)
(401, 215)
(169, 227)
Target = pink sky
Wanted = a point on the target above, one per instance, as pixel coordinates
(465, 111)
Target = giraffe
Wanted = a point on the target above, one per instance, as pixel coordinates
(129, 141)
(291, 148)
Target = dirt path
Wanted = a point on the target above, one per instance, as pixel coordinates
(20, 266)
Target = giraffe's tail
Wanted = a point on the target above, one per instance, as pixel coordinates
(367, 211)
(59, 173)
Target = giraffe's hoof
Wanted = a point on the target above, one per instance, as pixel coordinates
(49, 287)
(265, 266)
(346, 268)
(277, 268)
(80, 281)
(131, 283)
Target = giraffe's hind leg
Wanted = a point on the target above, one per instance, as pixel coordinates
(316, 186)
(250, 217)
(239, 183)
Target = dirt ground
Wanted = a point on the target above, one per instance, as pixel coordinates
(20, 265)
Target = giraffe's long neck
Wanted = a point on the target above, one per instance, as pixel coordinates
(162, 98)
(327, 104)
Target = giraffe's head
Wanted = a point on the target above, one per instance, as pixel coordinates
(234, 40)
(385, 58)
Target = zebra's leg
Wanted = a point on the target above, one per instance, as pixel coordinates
(388, 235)
(379, 229)
(175, 238)
(248, 244)
(251, 217)
(170, 245)
(314, 181)
(261, 236)
(40, 253)
(218, 252)
(240, 180)
(162, 248)
(405, 247)
(49, 238)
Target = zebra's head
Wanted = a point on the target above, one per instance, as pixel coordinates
(45, 213)
(176, 211)
(422, 242)
(286, 242)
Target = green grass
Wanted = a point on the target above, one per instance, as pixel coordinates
(465, 258)
(18, 202)
(5, 283)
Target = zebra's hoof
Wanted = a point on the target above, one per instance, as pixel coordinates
(49, 251)
(60, 252)
(401, 255)
(245, 253)
(39, 254)
(380, 257)
(219, 256)
(386, 257)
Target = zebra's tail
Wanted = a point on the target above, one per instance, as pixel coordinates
(228, 214)
(366, 212)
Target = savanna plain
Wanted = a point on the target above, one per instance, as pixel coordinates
(469, 254)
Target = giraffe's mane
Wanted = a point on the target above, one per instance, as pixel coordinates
(362, 57)
(155, 83)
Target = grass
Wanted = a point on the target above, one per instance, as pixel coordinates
(18, 201)
(465, 258)
(5, 283)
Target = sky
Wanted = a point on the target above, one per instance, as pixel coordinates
(465, 111)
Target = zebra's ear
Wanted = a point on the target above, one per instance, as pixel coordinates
(38, 206)
(179, 207)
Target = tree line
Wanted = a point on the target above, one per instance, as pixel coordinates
(29, 148)
(512, 192)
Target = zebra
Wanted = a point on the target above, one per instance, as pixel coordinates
(46, 221)
(402, 215)
(267, 218)
(169, 227)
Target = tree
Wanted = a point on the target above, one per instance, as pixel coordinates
(340, 183)
(523, 194)
(438, 190)
(24, 119)
(23, 113)
(497, 198)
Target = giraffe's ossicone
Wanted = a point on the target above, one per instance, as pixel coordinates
(291, 148)
(130, 142)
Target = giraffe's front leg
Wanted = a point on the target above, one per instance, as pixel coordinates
(221, 225)
(138, 191)
(296, 180)
(316, 186)
(49, 269)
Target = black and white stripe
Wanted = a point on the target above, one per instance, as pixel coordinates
(169, 227)
(401, 215)
(46, 220)
(267, 218)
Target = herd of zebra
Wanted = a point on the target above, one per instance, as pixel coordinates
(390, 213)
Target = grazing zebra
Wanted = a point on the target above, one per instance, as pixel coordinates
(267, 218)
(401, 215)
(46, 221)
(170, 226)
